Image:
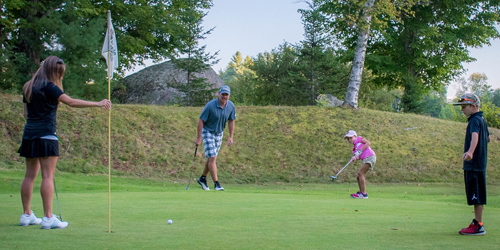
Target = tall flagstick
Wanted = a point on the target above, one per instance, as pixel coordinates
(110, 52)
(109, 140)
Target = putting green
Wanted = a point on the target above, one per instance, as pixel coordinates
(312, 216)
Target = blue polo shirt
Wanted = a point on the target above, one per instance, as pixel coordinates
(215, 117)
(479, 157)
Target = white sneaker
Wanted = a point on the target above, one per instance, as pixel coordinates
(53, 223)
(27, 220)
(218, 187)
(203, 183)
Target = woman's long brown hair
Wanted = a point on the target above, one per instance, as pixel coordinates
(51, 70)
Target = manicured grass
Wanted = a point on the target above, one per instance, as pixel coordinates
(275, 216)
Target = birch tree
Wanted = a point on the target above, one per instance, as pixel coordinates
(351, 96)
(419, 45)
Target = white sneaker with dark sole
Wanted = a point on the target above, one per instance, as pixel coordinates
(31, 219)
(53, 223)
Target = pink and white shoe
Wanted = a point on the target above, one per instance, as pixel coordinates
(355, 195)
(359, 195)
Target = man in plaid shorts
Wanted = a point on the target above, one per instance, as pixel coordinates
(211, 129)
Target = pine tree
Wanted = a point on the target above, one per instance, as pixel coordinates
(316, 40)
(197, 90)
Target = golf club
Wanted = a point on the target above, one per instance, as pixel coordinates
(334, 177)
(191, 174)
(57, 198)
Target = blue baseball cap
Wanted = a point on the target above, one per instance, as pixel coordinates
(225, 90)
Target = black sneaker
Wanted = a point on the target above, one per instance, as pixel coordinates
(217, 187)
(203, 183)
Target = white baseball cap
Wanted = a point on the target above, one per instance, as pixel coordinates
(350, 133)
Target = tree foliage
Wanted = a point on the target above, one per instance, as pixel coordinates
(74, 30)
(430, 43)
(495, 97)
(240, 77)
(476, 83)
(350, 22)
(197, 90)
(416, 44)
(316, 41)
(282, 76)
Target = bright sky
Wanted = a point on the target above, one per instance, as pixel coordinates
(256, 26)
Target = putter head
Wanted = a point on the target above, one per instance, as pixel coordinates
(333, 177)
(187, 188)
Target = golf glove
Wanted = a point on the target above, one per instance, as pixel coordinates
(356, 155)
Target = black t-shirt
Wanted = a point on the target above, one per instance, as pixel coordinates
(42, 111)
(479, 158)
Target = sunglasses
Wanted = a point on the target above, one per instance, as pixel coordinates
(466, 99)
(60, 61)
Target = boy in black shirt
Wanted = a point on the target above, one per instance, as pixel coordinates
(475, 159)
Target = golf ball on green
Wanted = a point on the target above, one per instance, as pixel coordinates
(169, 221)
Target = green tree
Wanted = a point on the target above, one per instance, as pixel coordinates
(412, 97)
(279, 80)
(491, 114)
(240, 77)
(416, 44)
(74, 30)
(477, 83)
(316, 39)
(447, 112)
(331, 74)
(282, 76)
(351, 23)
(429, 44)
(434, 102)
(382, 99)
(233, 68)
(495, 97)
(197, 90)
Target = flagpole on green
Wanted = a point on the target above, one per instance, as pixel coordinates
(110, 52)
(109, 141)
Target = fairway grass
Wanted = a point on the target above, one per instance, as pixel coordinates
(278, 216)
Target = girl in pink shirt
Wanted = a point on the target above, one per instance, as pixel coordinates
(361, 151)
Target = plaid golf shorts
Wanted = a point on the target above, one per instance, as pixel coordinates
(211, 142)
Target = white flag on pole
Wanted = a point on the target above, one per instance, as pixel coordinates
(110, 45)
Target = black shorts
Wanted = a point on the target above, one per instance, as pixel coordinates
(475, 187)
(39, 148)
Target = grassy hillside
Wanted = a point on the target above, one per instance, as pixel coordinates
(272, 144)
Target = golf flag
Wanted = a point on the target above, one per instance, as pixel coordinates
(110, 49)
